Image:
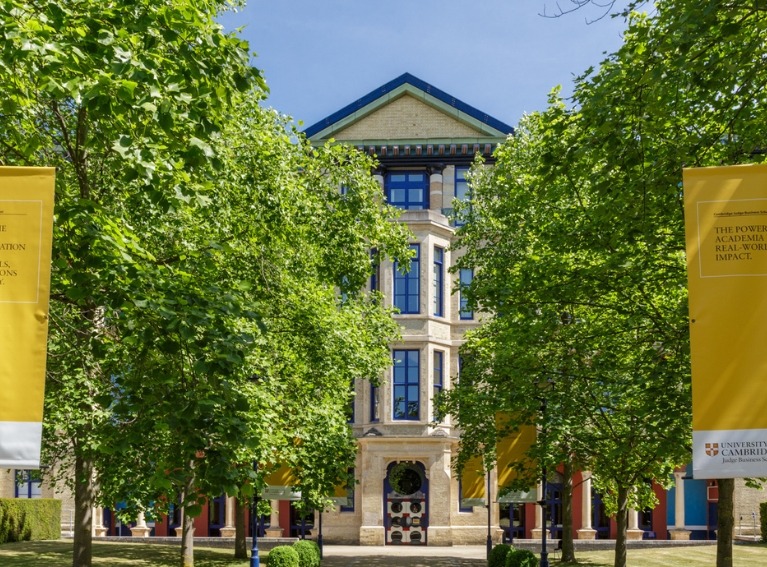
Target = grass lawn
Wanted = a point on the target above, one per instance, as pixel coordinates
(59, 554)
(743, 556)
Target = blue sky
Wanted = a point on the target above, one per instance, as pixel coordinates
(500, 56)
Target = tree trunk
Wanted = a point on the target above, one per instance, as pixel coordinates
(725, 524)
(82, 546)
(240, 534)
(187, 533)
(622, 520)
(568, 547)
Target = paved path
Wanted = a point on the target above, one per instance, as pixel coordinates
(401, 556)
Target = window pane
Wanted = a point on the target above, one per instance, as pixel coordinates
(405, 391)
(398, 195)
(407, 286)
(466, 276)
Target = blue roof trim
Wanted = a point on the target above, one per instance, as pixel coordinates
(419, 84)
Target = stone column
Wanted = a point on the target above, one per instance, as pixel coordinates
(536, 532)
(372, 530)
(436, 187)
(586, 531)
(378, 175)
(679, 532)
(140, 529)
(633, 531)
(274, 520)
(179, 530)
(229, 530)
(99, 530)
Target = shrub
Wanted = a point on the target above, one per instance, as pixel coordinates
(521, 558)
(23, 519)
(283, 556)
(498, 555)
(763, 520)
(308, 553)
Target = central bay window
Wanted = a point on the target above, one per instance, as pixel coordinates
(406, 386)
(439, 279)
(375, 403)
(408, 190)
(466, 275)
(462, 192)
(438, 382)
(407, 285)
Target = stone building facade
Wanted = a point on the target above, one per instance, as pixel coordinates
(424, 140)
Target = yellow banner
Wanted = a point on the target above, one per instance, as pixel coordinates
(509, 450)
(512, 449)
(726, 238)
(26, 227)
(473, 482)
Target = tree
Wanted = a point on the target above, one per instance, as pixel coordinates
(123, 100)
(577, 234)
(195, 246)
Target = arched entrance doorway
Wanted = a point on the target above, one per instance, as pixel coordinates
(406, 508)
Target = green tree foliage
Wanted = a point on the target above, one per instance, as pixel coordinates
(199, 247)
(577, 235)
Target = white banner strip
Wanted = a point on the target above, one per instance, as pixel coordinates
(20, 444)
(735, 453)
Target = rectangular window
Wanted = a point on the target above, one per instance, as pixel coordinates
(466, 276)
(408, 190)
(375, 403)
(349, 506)
(406, 387)
(438, 381)
(462, 191)
(462, 508)
(27, 484)
(439, 282)
(375, 280)
(407, 286)
(350, 411)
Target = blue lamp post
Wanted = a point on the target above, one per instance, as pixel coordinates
(489, 519)
(544, 551)
(254, 559)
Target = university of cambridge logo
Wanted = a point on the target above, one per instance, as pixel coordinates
(712, 449)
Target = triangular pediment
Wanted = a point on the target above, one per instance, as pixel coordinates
(408, 109)
(407, 118)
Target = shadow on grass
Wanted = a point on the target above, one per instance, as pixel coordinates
(59, 554)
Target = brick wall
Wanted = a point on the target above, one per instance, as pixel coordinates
(406, 119)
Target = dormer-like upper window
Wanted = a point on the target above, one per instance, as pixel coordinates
(408, 190)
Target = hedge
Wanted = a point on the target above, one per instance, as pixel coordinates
(29, 519)
(308, 553)
(282, 556)
(498, 555)
(521, 558)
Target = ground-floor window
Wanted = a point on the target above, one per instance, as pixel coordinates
(28, 484)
